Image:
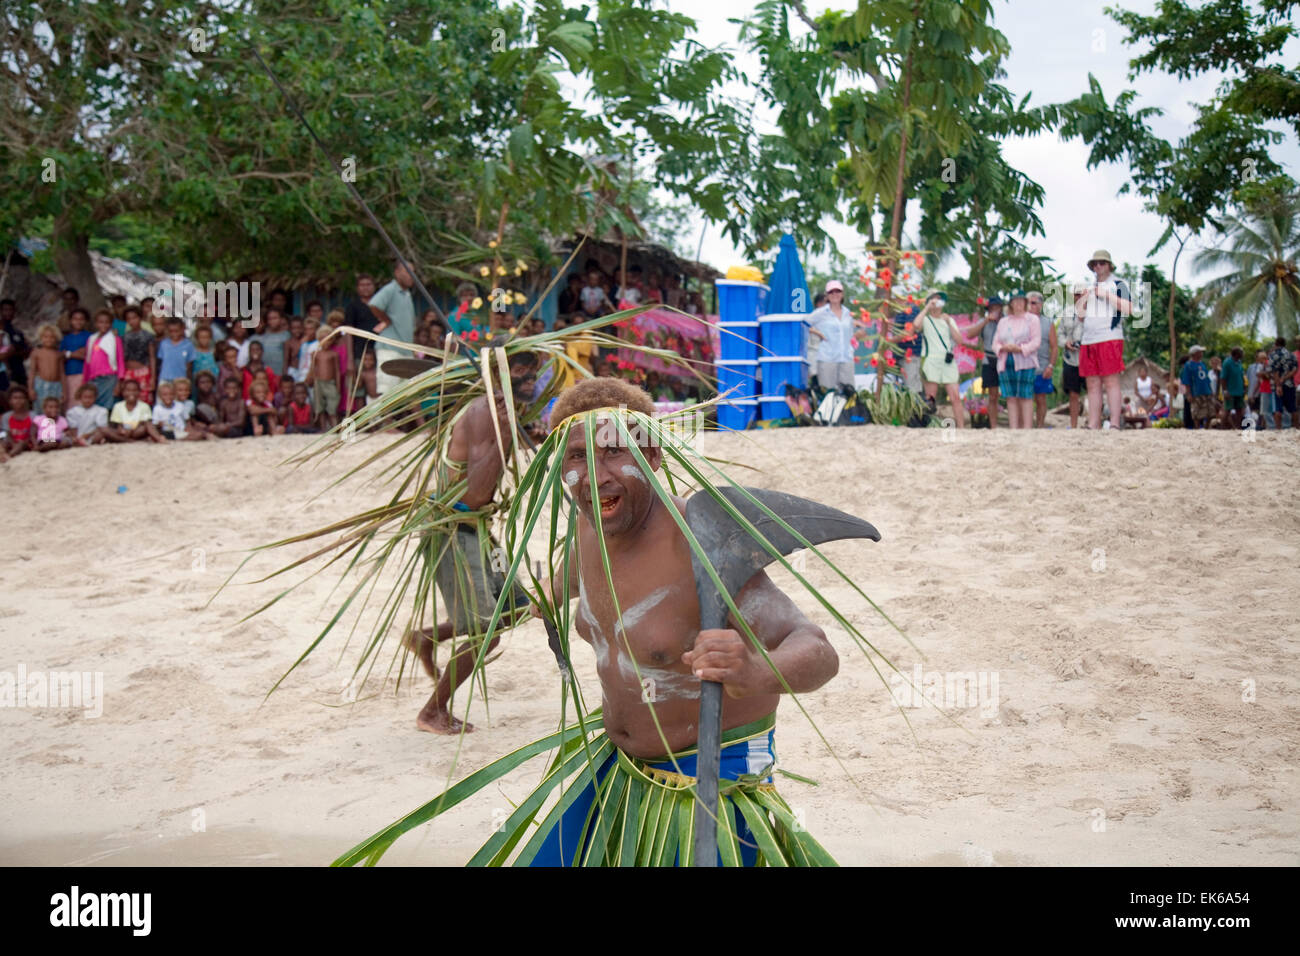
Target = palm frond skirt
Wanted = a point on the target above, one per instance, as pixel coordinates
(617, 810)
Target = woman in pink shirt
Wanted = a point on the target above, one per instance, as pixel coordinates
(1016, 342)
(340, 345)
(105, 359)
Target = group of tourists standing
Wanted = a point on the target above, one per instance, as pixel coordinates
(1021, 346)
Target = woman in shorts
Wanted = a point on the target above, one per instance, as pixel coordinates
(1016, 342)
(939, 338)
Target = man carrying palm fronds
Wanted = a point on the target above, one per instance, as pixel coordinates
(630, 799)
(656, 652)
(468, 560)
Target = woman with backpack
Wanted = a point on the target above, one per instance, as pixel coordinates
(1101, 355)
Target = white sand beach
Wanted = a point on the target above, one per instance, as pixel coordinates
(1130, 600)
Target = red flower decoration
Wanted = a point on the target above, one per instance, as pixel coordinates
(873, 361)
(907, 327)
(909, 351)
(473, 335)
(920, 259)
(981, 301)
(889, 359)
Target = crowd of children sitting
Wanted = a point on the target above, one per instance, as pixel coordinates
(128, 373)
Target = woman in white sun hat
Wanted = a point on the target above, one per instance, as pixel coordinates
(833, 324)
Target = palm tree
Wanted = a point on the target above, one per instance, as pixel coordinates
(1262, 248)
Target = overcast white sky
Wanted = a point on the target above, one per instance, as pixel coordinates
(1052, 53)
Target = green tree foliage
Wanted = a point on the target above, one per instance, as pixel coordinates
(451, 115)
(1151, 339)
(929, 61)
(1243, 39)
(1261, 249)
(847, 96)
(796, 175)
(979, 206)
(74, 145)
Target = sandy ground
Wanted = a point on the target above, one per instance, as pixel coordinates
(1129, 600)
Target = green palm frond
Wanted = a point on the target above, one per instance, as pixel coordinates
(385, 537)
(1260, 249)
(388, 554)
(639, 823)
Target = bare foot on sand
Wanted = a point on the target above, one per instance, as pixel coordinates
(441, 722)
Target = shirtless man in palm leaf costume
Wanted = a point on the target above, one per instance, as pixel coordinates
(656, 655)
(467, 572)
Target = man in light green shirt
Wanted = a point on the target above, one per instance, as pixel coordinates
(394, 311)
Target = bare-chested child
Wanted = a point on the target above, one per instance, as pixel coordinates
(232, 414)
(132, 419)
(324, 378)
(47, 368)
(367, 389)
(469, 590)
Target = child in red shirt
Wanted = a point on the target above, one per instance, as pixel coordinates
(255, 365)
(16, 424)
(298, 413)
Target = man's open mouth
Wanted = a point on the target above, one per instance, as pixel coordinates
(609, 505)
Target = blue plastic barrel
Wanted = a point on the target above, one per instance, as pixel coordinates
(736, 415)
(772, 406)
(740, 301)
(738, 374)
(738, 340)
(778, 371)
(783, 334)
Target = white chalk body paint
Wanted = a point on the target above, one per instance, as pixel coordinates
(632, 471)
(570, 478)
(598, 641)
(633, 615)
(668, 684)
(671, 684)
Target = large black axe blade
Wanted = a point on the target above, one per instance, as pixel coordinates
(736, 557)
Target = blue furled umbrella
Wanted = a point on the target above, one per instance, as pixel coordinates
(788, 288)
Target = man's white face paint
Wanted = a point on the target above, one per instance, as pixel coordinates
(632, 471)
(570, 478)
